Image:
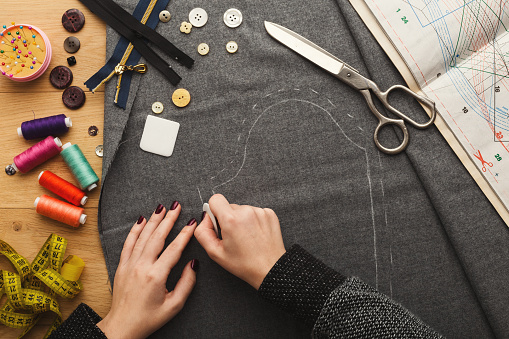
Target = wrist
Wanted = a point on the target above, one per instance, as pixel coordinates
(114, 329)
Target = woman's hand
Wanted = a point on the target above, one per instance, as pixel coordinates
(141, 303)
(252, 241)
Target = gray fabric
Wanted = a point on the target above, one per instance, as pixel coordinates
(266, 127)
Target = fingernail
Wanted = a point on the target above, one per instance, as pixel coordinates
(195, 264)
(203, 215)
(174, 205)
(191, 222)
(159, 209)
(140, 219)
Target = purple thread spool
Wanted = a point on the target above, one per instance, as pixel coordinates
(44, 127)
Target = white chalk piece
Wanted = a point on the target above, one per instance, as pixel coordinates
(159, 136)
(206, 208)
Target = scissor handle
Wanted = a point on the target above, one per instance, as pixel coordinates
(383, 121)
(383, 96)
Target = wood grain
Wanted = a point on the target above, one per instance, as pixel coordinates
(20, 225)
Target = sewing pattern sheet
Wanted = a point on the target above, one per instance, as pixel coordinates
(458, 54)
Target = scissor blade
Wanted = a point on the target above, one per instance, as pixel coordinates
(304, 47)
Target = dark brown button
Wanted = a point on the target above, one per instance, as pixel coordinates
(93, 130)
(71, 44)
(73, 97)
(73, 20)
(61, 77)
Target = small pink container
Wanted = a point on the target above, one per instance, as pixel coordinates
(19, 52)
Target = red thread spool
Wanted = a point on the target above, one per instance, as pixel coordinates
(37, 154)
(60, 211)
(62, 188)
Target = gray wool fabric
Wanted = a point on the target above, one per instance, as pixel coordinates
(265, 127)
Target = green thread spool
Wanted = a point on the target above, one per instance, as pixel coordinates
(79, 165)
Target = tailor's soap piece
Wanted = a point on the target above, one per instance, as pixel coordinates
(159, 136)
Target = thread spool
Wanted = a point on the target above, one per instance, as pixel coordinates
(60, 211)
(43, 127)
(80, 167)
(62, 188)
(36, 155)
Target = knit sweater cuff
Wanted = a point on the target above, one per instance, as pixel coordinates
(80, 324)
(300, 284)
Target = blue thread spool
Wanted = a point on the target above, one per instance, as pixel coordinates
(44, 127)
(80, 167)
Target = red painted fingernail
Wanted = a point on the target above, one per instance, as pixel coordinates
(174, 205)
(195, 264)
(159, 209)
(140, 219)
(203, 215)
(191, 222)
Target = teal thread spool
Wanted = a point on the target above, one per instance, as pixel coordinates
(79, 166)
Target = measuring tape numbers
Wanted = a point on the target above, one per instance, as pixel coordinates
(34, 288)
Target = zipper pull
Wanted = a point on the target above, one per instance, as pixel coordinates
(140, 68)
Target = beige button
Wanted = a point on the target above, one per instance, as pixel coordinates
(232, 47)
(185, 27)
(164, 16)
(157, 107)
(181, 97)
(203, 48)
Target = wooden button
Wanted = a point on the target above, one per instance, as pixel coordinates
(73, 97)
(73, 20)
(61, 77)
(181, 97)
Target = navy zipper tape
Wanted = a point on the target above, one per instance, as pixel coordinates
(152, 57)
(110, 11)
(123, 43)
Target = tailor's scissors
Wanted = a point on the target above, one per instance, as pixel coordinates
(350, 76)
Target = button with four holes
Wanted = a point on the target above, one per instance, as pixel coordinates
(181, 97)
(73, 97)
(71, 44)
(61, 77)
(198, 17)
(185, 27)
(157, 107)
(203, 48)
(232, 18)
(232, 47)
(73, 20)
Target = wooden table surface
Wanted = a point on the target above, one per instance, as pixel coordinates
(20, 225)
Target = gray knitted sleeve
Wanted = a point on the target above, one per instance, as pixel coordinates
(336, 307)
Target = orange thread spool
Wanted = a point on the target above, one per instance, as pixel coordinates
(60, 211)
(62, 188)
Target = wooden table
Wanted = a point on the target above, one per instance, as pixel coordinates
(20, 225)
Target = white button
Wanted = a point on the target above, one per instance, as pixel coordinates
(203, 48)
(232, 47)
(198, 17)
(164, 16)
(232, 18)
(157, 107)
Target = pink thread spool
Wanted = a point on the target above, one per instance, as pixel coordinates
(37, 154)
(33, 47)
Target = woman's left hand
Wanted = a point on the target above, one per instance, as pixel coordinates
(141, 303)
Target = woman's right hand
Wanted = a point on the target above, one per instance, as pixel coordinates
(252, 242)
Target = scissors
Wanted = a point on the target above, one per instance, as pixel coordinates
(351, 77)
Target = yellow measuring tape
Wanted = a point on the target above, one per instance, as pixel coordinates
(32, 291)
